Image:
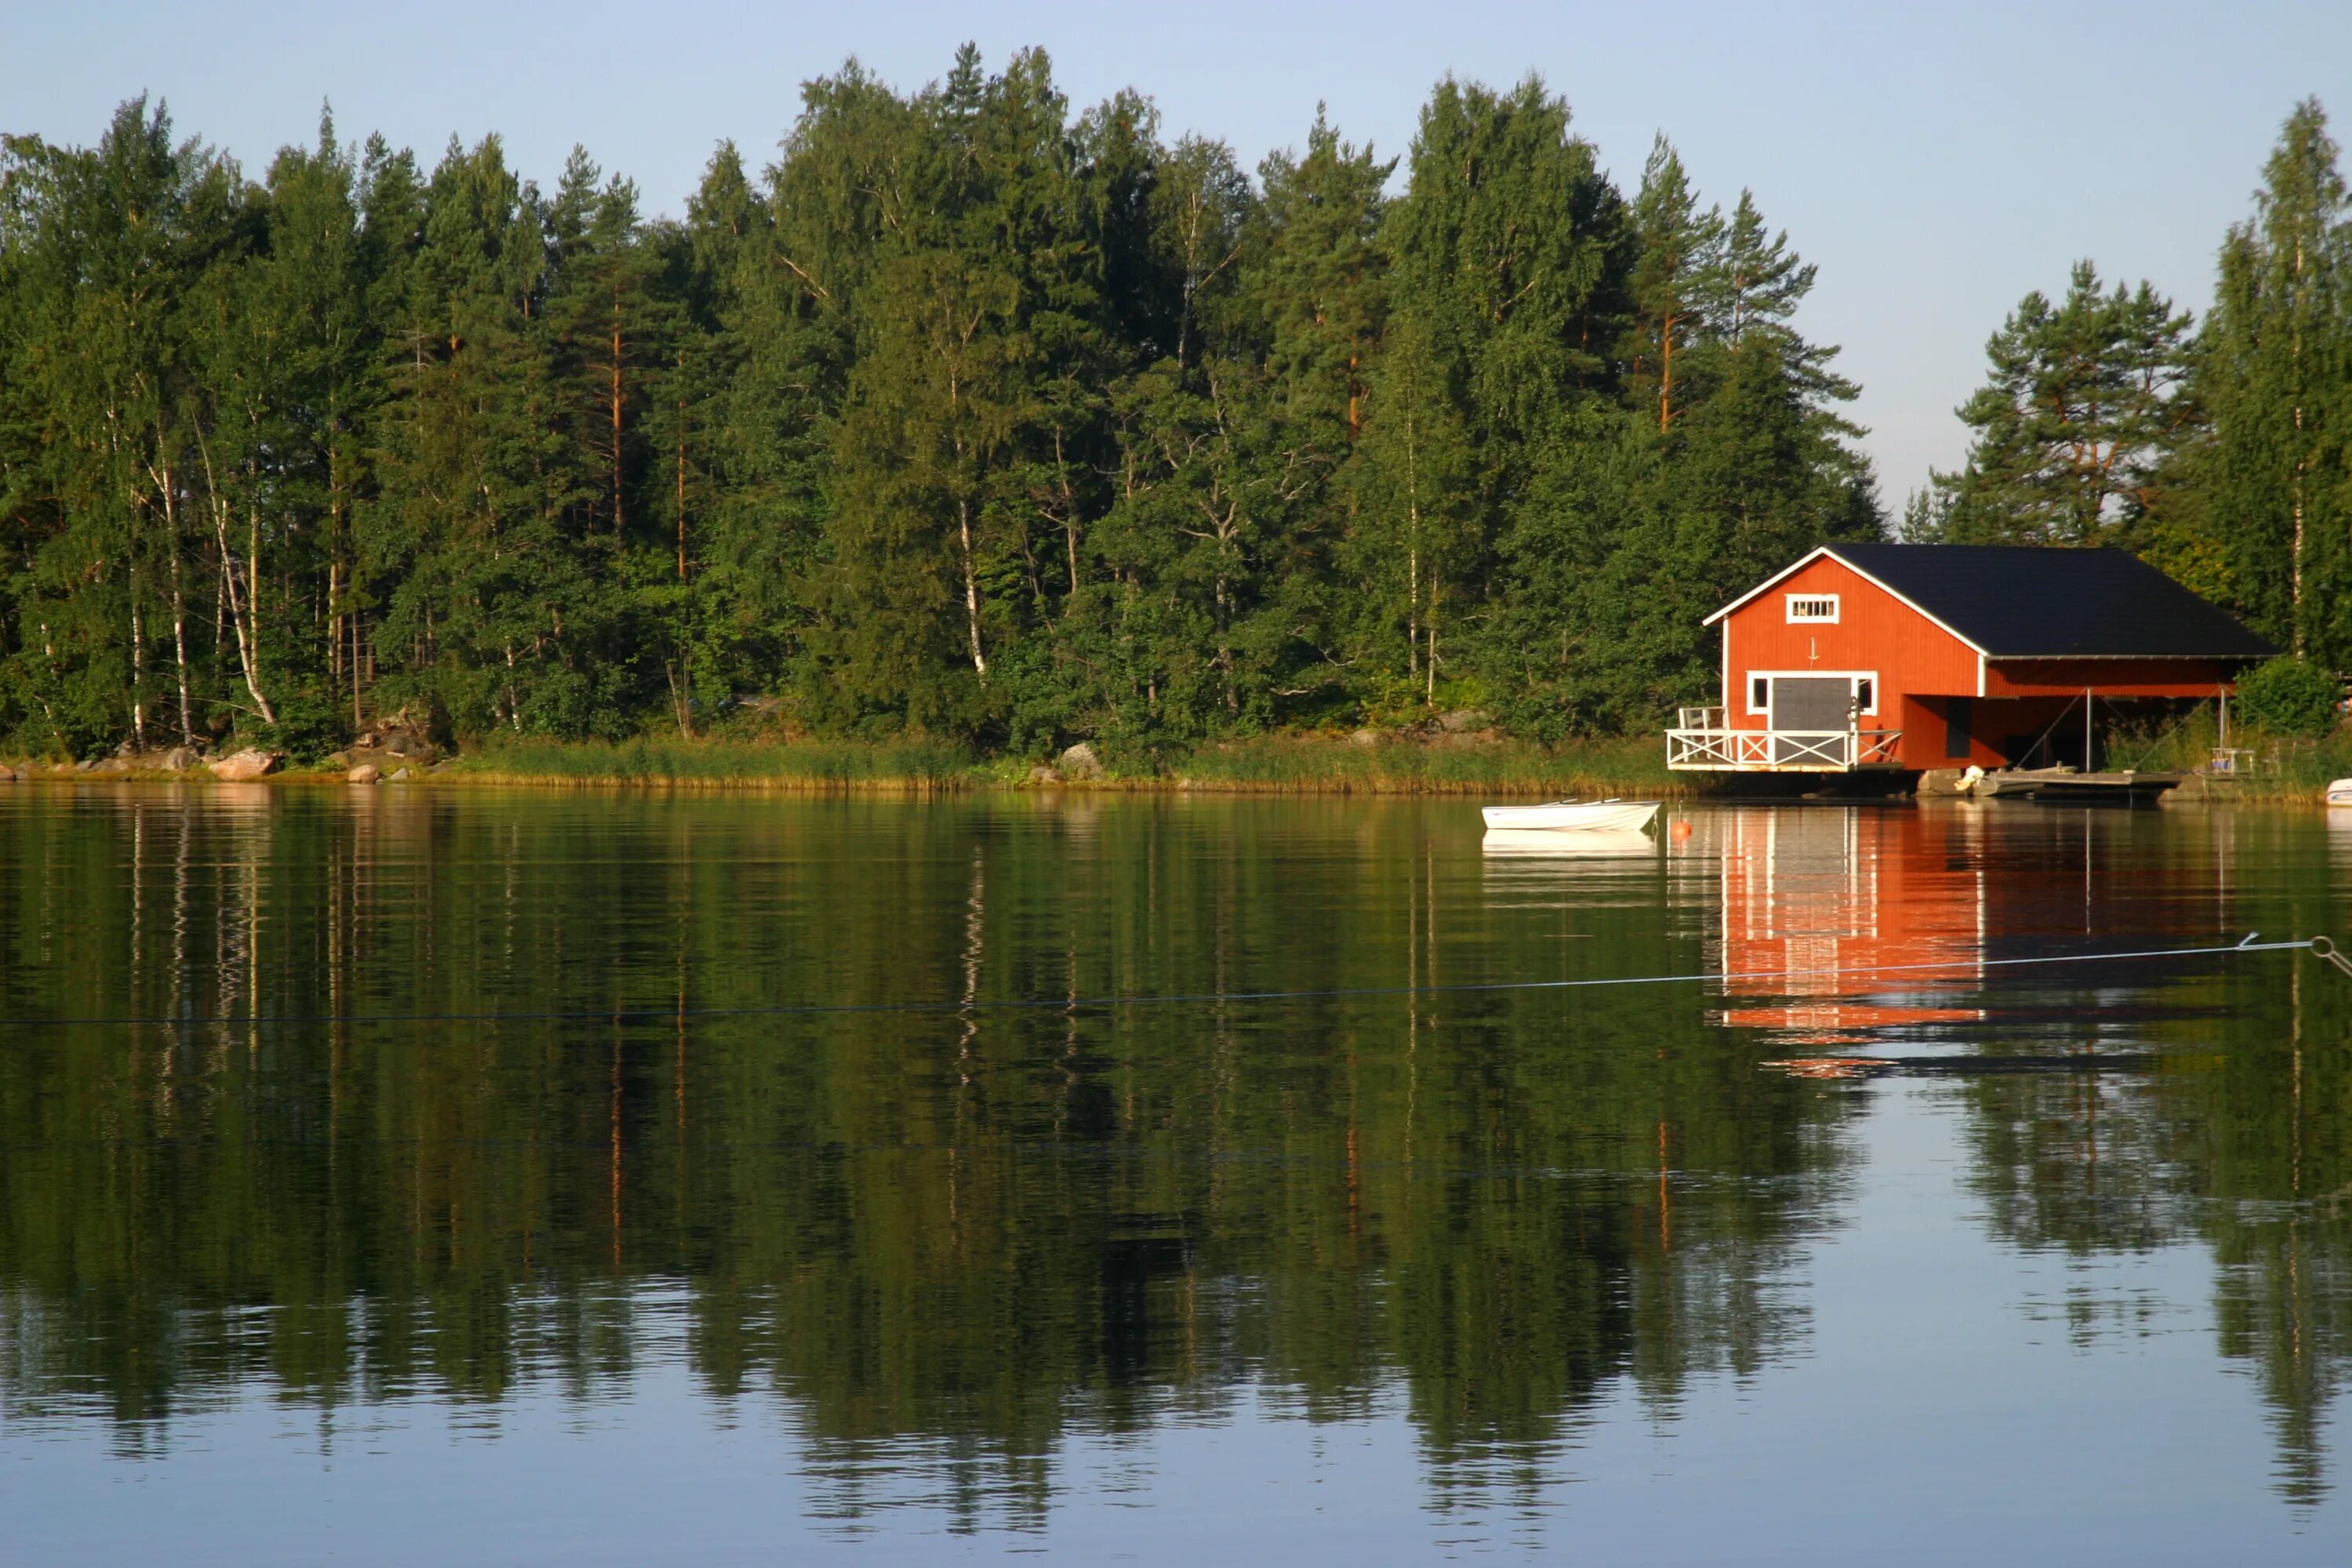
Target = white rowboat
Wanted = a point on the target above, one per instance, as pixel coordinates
(2340, 793)
(1574, 816)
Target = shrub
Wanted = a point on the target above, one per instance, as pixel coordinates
(2289, 696)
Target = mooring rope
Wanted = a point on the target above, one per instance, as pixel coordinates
(2318, 946)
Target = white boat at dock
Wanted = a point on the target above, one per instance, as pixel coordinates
(2340, 793)
(1610, 816)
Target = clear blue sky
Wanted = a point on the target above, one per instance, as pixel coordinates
(1936, 161)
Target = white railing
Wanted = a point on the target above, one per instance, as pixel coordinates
(1721, 750)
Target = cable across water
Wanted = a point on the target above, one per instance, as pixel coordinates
(2319, 945)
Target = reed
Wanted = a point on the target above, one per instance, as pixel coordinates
(2279, 767)
(824, 767)
(1269, 764)
(1335, 765)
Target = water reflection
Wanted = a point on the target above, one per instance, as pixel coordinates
(948, 1244)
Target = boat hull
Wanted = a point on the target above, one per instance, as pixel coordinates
(1573, 816)
(1540, 843)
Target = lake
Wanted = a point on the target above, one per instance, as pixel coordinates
(510, 1177)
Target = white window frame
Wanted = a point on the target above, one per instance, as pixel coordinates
(1790, 601)
(1877, 691)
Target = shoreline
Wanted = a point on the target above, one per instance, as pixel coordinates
(1440, 765)
(984, 782)
(1396, 766)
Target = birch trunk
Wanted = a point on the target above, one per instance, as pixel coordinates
(248, 631)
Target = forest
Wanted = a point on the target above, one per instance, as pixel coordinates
(974, 417)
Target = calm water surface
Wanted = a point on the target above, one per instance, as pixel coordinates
(424, 1181)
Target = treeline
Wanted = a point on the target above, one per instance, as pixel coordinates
(968, 416)
(2223, 453)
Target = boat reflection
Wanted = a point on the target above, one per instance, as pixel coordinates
(1551, 845)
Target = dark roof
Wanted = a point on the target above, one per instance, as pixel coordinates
(2020, 602)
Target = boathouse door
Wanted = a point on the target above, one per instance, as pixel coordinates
(1816, 703)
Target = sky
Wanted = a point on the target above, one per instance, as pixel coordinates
(1936, 161)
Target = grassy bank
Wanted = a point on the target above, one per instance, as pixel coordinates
(1335, 764)
(923, 767)
(2281, 768)
(1266, 765)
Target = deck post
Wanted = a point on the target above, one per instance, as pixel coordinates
(2088, 766)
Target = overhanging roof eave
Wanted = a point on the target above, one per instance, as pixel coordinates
(2132, 657)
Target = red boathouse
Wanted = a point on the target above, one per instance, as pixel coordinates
(1901, 658)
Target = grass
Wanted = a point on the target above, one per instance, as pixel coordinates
(1268, 764)
(1334, 765)
(814, 767)
(2284, 768)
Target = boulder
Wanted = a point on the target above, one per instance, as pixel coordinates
(409, 745)
(7, 774)
(84, 765)
(241, 767)
(1041, 774)
(1365, 738)
(336, 760)
(402, 776)
(1080, 763)
(180, 758)
(1456, 723)
(366, 773)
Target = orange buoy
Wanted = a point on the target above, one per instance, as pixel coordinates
(1682, 828)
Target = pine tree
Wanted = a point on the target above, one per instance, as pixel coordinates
(1321, 283)
(2076, 419)
(1680, 256)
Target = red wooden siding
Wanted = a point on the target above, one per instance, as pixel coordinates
(1875, 631)
(1921, 669)
(2107, 676)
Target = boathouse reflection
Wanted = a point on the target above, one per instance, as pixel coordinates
(1838, 921)
(2110, 1110)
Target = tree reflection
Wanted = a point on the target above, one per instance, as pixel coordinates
(951, 1239)
(942, 1244)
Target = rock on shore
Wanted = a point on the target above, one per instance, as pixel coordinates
(240, 767)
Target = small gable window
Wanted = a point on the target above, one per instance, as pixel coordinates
(1814, 607)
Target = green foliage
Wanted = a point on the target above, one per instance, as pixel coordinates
(971, 417)
(2289, 696)
(2273, 371)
